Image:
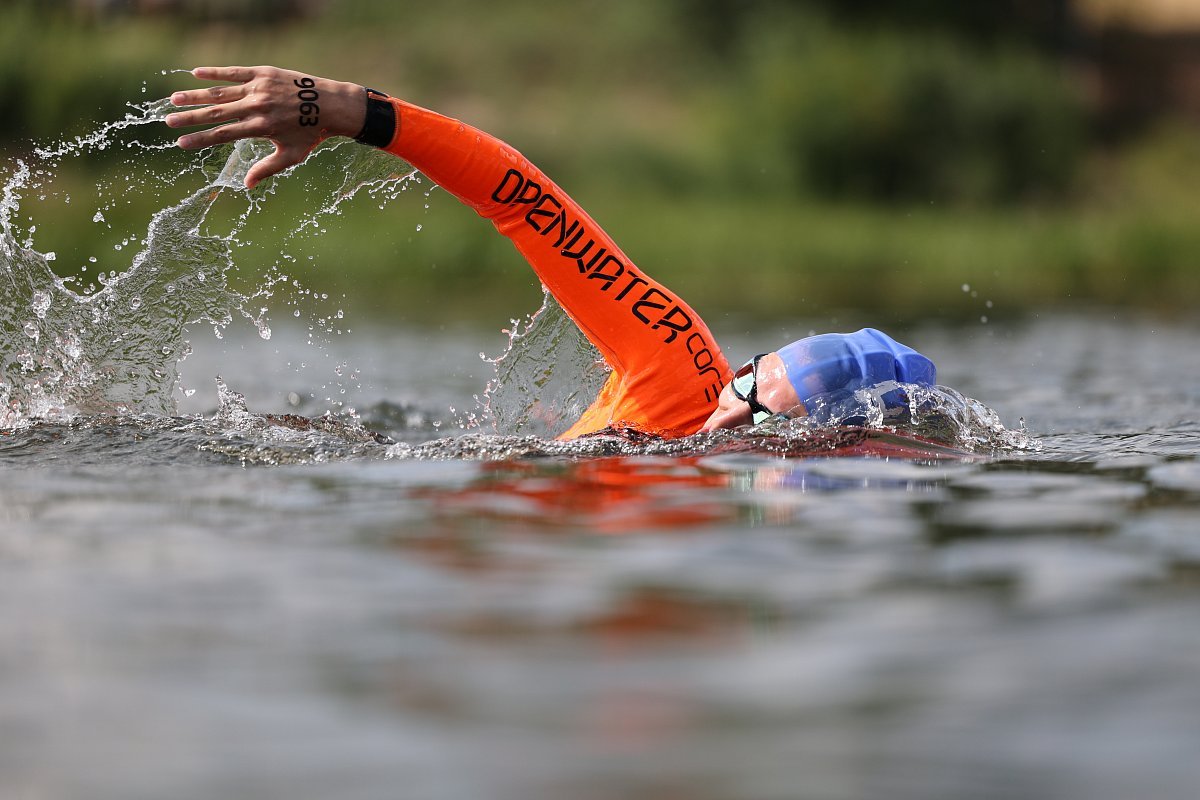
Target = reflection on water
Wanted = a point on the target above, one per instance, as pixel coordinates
(614, 495)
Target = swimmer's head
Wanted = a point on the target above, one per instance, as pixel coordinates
(788, 380)
(761, 387)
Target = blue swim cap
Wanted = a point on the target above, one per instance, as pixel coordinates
(843, 362)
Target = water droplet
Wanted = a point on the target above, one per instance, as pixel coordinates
(135, 302)
(40, 303)
(966, 287)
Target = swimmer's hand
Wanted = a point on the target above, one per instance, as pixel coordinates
(294, 110)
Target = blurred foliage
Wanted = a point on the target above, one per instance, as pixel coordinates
(1043, 24)
(917, 116)
(874, 160)
(59, 77)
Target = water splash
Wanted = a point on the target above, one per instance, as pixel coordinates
(927, 423)
(114, 349)
(547, 376)
(114, 346)
(934, 413)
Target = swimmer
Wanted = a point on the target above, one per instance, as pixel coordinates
(669, 377)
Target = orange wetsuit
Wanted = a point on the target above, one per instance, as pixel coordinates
(667, 368)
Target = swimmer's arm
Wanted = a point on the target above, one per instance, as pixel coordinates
(264, 102)
(657, 345)
(652, 339)
(295, 110)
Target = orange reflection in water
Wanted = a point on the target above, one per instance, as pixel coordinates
(630, 715)
(604, 495)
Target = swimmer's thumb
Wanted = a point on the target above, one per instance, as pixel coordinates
(281, 159)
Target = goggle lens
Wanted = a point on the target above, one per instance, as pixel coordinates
(745, 388)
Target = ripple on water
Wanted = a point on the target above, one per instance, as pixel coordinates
(1049, 572)
(895, 473)
(1177, 476)
(1030, 502)
(1027, 516)
(1171, 532)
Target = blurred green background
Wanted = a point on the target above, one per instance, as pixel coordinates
(781, 159)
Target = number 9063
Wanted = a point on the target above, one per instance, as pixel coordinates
(308, 96)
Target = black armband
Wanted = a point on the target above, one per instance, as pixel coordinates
(380, 125)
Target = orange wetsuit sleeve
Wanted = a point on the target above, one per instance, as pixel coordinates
(667, 368)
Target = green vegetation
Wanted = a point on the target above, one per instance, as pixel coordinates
(760, 157)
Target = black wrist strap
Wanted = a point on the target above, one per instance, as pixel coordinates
(380, 125)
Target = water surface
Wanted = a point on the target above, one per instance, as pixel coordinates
(221, 611)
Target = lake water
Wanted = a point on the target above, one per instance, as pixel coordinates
(215, 599)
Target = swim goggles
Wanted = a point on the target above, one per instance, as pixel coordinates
(745, 388)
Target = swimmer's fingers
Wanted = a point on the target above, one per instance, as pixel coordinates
(231, 74)
(222, 134)
(211, 95)
(209, 115)
(242, 78)
(265, 107)
(265, 98)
